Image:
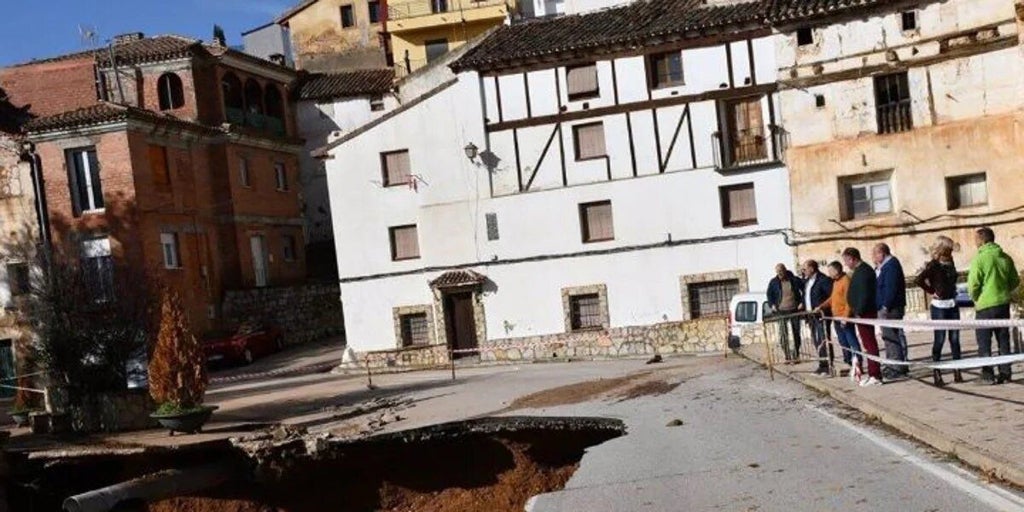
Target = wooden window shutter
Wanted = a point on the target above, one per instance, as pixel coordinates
(404, 243)
(76, 181)
(589, 141)
(740, 205)
(597, 222)
(396, 168)
(582, 80)
(158, 165)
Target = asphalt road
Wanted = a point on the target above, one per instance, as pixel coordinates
(749, 444)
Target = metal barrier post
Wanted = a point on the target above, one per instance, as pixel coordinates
(451, 361)
(369, 376)
(768, 351)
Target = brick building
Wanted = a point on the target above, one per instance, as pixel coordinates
(171, 155)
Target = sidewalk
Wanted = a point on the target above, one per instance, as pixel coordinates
(983, 426)
(313, 357)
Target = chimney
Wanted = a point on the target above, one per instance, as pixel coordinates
(128, 38)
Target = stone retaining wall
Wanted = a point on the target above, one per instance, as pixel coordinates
(114, 412)
(306, 312)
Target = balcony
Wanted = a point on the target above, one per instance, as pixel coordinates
(894, 117)
(745, 150)
(470, 10)
(262, 122)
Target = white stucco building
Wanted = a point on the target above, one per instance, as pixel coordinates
(626, 179)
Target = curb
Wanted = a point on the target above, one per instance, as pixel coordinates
(971, 455)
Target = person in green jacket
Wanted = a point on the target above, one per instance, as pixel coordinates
(991, 281)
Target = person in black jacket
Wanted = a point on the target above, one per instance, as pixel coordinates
(785, 298)
(892, 303)
(938, 280)
(817, 290)
(861, 297)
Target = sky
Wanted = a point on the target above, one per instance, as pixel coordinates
(31, 29)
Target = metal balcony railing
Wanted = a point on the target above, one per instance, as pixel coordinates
(413, 9)
(894, 117)
(736, 151)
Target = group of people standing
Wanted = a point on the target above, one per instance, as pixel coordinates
(879, 292)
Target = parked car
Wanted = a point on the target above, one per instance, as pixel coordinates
(248, 343)
(745, 311)
(963, 299)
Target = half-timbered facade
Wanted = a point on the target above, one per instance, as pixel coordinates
(598, 180)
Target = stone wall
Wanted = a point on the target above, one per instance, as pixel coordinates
(305, 312)
(693, 337)
(114, 412)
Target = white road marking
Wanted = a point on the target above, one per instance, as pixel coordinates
(989, 494)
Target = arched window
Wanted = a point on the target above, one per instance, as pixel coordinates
(234, 102)
(170, 91)
(253, 97)
(272, 100)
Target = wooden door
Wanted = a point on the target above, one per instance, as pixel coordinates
(746, 127)
(460, 322)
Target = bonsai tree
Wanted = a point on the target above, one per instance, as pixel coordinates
(177, 369)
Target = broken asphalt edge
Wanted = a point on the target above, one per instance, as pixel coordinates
(969, 454)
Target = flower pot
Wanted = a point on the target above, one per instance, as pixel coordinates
(190, 422)
(21, 418)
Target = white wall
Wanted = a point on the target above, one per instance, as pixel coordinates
(953, 90)
(454, 195)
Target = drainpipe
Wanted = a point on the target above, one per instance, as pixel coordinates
(39, 188)
(154, 487)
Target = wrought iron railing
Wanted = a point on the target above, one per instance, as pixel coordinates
(894, 117)
(734, 151)
(413, 9)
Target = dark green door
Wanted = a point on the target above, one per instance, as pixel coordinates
(7, 368)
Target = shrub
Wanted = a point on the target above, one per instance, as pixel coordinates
(177, 369)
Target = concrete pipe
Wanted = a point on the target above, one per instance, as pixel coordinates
(153, 487)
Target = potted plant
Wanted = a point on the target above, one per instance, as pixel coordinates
(177, 372)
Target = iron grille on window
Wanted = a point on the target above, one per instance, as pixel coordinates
(892, 103)
(415, 330)
(712, 298)
(585, 311)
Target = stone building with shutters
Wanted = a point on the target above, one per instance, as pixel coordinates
(556, 197)
(905, 123)
(172, 156)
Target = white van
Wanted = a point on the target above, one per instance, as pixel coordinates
(746, 310)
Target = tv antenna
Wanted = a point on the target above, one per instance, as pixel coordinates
(88, 36)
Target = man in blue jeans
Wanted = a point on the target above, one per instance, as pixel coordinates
(892, 301)
(817, 291)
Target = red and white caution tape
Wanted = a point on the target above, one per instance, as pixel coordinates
(933, 325)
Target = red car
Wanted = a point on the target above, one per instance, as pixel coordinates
(245, 345)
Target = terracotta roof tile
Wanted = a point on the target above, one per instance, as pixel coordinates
(638, 23)
(102, 113)
(795, 10)
(456, 278)
(326, 86)
(149, 49)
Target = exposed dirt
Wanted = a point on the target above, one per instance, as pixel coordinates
(574, 393)
(648, 388)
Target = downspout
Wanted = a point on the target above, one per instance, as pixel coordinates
(39, 189)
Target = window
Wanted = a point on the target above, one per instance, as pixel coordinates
(711, 299)
(234, 99)
(288, 247)
(376, 103)
(437, 6)
(18, 279)
(665, 69)
(436, 49)
(158, 165)
(492, 226)
(804, 36)
(581, 81)
(395, 168)
(966, 191)
(819, 100)
(589, 140)
(415, 329)
(868, 198)
(738, 205)
(746, 312)
(374, 7)
(909, 20)
(170, 92)
(348, 18)
(98, 268)
(585, 311)
(596, 222)
(281, 176)
(243, 172)
(169, 244)
(892, 103)
(405, 244)
(745, 124)
(84, 179)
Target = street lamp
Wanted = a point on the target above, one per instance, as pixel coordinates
(471, 151)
